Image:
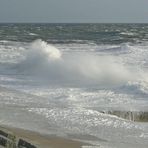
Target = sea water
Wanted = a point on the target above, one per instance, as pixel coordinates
(64, 79)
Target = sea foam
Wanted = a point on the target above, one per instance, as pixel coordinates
(48, 62)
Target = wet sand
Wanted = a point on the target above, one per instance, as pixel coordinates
(43, 141)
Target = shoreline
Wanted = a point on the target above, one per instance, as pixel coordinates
(42, 141)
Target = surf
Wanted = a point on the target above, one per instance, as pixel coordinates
(48, 62)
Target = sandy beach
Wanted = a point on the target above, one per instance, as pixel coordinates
(42, 141)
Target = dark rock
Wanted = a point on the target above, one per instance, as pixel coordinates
(138, 116)
(3, 133)
(3, 141)
(24, 144)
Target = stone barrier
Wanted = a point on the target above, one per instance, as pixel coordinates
(138, 116)
(8, 140)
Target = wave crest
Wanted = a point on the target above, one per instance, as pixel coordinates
(48, 62)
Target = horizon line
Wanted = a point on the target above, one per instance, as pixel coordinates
(73, 22)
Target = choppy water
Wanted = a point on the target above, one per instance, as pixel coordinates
(75, 33)
(55, 78)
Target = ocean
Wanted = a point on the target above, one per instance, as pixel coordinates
(80, 81)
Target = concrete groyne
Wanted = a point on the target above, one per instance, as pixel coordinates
(9, 140)
(137, 116)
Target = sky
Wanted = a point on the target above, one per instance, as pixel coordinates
(74, 11)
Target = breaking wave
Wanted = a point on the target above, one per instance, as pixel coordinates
(48, 62)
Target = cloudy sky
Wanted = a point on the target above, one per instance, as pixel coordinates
(78, 11)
